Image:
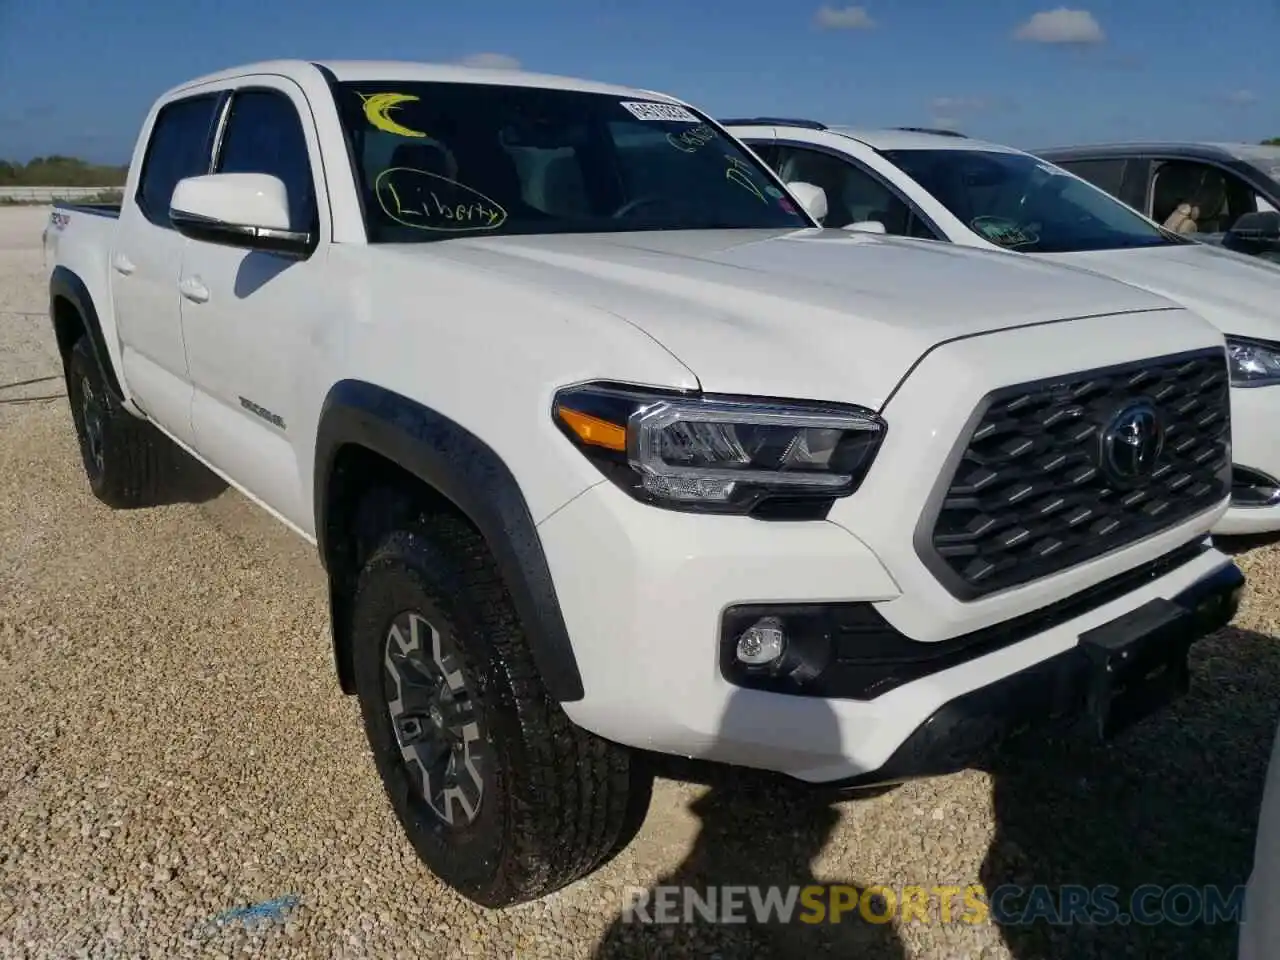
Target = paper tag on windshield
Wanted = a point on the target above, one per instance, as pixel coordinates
(648, 110)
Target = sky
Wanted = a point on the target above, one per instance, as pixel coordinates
(77, 76)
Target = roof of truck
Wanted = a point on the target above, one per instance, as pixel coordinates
(410, 71)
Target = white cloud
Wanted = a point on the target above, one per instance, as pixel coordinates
(490, 61)
(1061, 26)
(843, 18)
(1241, 98)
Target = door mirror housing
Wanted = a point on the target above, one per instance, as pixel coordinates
(865, 226)
(249, 210)
(1263, 225)
(813, 199)
(1255, 235)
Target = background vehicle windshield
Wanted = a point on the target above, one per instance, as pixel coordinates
(1025, 204)
(440, 160)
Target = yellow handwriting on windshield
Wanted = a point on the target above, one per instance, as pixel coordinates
(690, 140)
(740, 174)
(378, 106)
(428, 201)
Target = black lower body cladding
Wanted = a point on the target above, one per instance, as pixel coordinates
(461, 468)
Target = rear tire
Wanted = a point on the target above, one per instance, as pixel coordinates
(127, 461)
(504, 799)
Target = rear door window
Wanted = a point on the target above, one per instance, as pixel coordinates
(179, 148)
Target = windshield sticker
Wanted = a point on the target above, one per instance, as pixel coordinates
(428, 201)
(648, 110)
(740, 173)
(690, 140)
(377, 106)
(787, 205)
(773, 192)
(1005, 233)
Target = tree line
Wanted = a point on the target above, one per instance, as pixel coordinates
(59, 171)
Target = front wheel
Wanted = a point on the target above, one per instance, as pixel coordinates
(503, 798)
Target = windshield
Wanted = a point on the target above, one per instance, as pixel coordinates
(440, 160)
(1025, 204)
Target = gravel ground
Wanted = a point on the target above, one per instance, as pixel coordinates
(179, 775)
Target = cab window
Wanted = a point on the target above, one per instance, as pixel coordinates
(264, 135)
(179, 148)
(1192, 197)
(853, 194)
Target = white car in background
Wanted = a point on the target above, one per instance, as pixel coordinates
(943, 186)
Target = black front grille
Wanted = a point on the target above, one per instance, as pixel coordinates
(1030, 494)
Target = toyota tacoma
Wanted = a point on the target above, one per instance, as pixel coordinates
(610, 451)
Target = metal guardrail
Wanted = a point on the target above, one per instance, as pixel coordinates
(50, 194)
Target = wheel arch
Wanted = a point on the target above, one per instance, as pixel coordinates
(73, 314)
(368, 434)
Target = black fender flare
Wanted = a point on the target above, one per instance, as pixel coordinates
(65, 284)
(470, 475)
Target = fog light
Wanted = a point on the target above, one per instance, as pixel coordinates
(762, 643)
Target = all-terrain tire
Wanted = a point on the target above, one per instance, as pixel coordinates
(557, 801)
(127, 461)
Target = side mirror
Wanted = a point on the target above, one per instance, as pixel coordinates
(865, 226)
(1263, 225)
(812, 198)
(249, 210)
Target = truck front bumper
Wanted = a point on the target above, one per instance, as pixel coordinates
(1118, 674)
(654, 602)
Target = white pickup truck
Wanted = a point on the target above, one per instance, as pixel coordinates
(610, 451)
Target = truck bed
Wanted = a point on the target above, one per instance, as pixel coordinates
(96, 209)
(81, 236)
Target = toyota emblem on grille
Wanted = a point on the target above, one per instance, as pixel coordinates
(1131, 442)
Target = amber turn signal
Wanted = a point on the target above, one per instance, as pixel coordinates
(594, 431)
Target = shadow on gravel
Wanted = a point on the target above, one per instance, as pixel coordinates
(1152, 835)
(1234, 546)
(190, 482)
(760, 832)
(1158, 827)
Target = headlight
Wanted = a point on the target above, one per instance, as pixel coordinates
(1254, 363)
(721, 454)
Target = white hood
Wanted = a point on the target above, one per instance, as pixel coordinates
(818, 313)
(1237, 293)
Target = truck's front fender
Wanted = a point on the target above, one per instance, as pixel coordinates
(470, 475)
